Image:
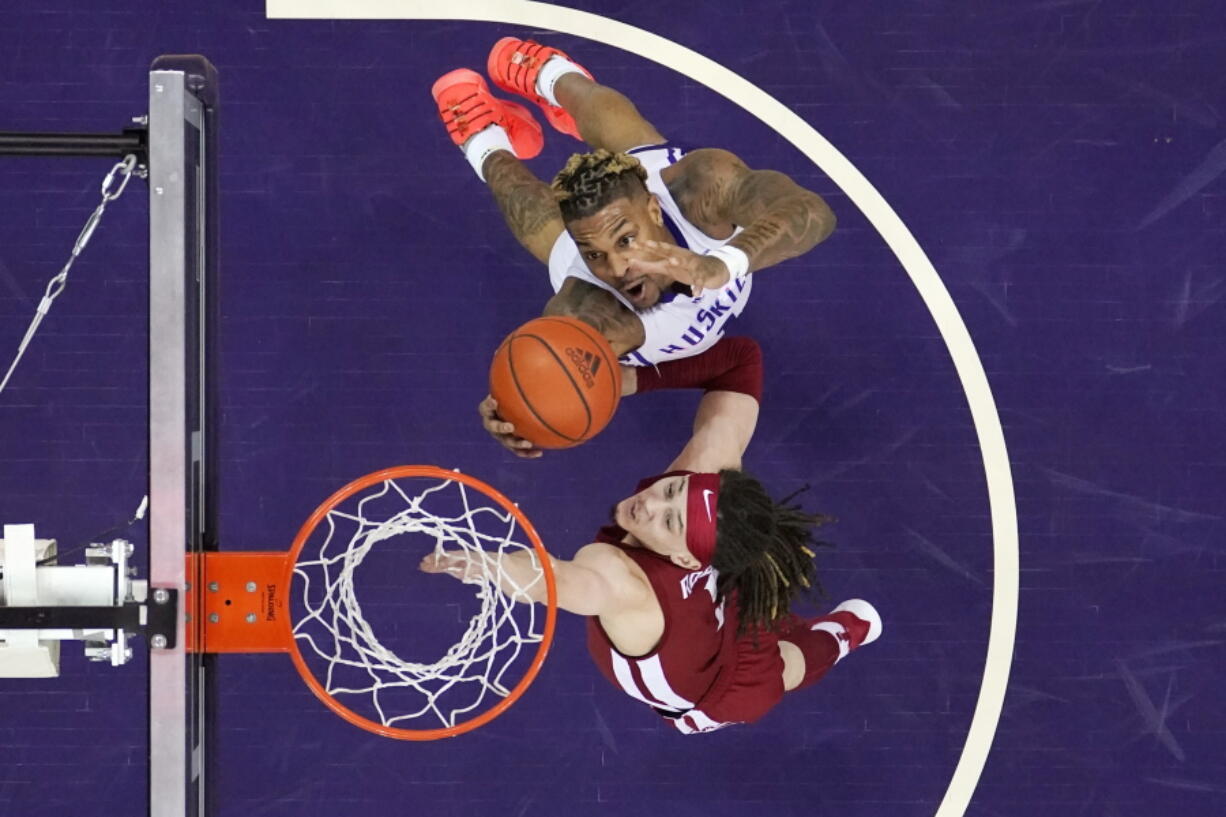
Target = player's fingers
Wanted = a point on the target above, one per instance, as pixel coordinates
(670, 254)
(673, 266)
(646, 254)
(661, 249)
(642, 266)
(496, 425)
(511, 443)
(523, 448)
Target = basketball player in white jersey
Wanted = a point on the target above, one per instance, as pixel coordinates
(652, 245)
(687, 593)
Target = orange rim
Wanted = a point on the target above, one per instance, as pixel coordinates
(308, 527)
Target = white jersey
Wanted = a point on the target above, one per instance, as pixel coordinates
(678, 325)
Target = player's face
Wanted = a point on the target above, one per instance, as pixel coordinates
(606, 241)
(655, 517)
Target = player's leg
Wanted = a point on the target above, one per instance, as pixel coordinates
(571, 100)
(606, 117)
(793, 665)
(812, 647)
(493, 134)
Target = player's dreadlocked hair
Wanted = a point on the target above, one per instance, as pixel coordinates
(763, 551)
(590, 181)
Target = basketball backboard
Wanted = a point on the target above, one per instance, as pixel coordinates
(183, 516)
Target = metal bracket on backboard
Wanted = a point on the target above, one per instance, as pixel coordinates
(156, 620)
(163, 618)
(125, 617)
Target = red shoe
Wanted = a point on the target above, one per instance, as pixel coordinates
(854, 623)
(514, 64)
(467, 106)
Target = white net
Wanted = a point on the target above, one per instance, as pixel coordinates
(411, 519)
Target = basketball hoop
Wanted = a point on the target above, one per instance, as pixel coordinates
(305, 602)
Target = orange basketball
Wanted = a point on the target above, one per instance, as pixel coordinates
(556, 380)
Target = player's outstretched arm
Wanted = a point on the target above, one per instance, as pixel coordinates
(596, 582)
(723, 426)
(731, 374)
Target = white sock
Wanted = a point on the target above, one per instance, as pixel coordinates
(553, 70)
(486, 141)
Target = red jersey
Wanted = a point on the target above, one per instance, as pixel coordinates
(696, 655)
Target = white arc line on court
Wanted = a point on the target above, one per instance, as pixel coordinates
(879, 213)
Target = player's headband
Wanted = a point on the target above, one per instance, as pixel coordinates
(701, 511)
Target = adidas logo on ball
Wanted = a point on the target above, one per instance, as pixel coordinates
(586, 362)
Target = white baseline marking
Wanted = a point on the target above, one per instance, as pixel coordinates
(879, 213)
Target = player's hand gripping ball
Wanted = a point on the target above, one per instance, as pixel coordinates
(556, 381)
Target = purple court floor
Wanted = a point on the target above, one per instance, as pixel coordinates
(1061, 165)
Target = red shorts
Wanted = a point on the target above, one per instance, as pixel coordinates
(747, 689)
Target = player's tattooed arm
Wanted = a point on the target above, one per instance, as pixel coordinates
(601, 310)
(527, 204)
(780, 219)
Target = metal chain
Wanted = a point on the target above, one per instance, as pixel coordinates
(125, 170)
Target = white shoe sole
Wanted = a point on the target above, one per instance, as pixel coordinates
(864, 611)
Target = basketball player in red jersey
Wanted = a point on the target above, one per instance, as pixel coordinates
(651, 244)
(687, 593)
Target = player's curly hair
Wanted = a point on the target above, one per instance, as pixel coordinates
(590, 181)
(763, 551)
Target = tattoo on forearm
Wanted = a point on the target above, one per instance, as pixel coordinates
(602, 311)
(526, 202)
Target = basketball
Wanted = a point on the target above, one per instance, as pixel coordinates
(556, 380)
